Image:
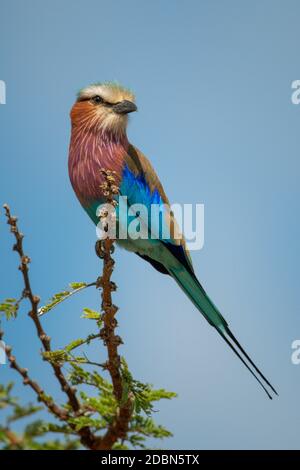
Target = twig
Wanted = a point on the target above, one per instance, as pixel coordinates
(118, 429)
(14, 440)
(59, 412)
(42, 310)
(87, 436)
(104, 249)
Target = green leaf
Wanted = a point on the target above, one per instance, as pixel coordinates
(90, 314)
(143, 394)
(23, 411)
(61, 296)
(84, 421)
(59, 357)
(35, 429)
(10, 308)
(51, 427)
(74, 344)
(77, 285)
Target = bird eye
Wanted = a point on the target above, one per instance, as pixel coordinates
(97, 99)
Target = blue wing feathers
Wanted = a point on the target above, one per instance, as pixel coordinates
(137, 190)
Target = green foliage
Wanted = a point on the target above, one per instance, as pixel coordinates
(92, 315)
(143, 394)
(80, 376)
(9, 308)
(5, 396)
(22, 412)
(33, 436)
(61, 296)
(77, 285)
(98, 405)
(101, 409)
(65, 355)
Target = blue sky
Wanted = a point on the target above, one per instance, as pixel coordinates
(213, 86)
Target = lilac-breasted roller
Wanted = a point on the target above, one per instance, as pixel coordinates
(99, 140)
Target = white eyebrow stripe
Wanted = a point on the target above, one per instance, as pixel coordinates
(91, 91)
(111, 94)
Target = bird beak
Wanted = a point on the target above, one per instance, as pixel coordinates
(124, 107)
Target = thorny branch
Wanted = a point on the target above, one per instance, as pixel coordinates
(59, 412)
(118, 429)
(87, 437)
(104, 249)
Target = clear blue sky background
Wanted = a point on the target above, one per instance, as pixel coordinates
(213, 86)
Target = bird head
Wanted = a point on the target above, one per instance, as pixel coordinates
(103, 107)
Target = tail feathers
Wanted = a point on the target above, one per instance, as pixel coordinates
(193, 289)
(232, 337)
(239, 355)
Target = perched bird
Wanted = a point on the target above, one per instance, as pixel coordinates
(99, 120)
